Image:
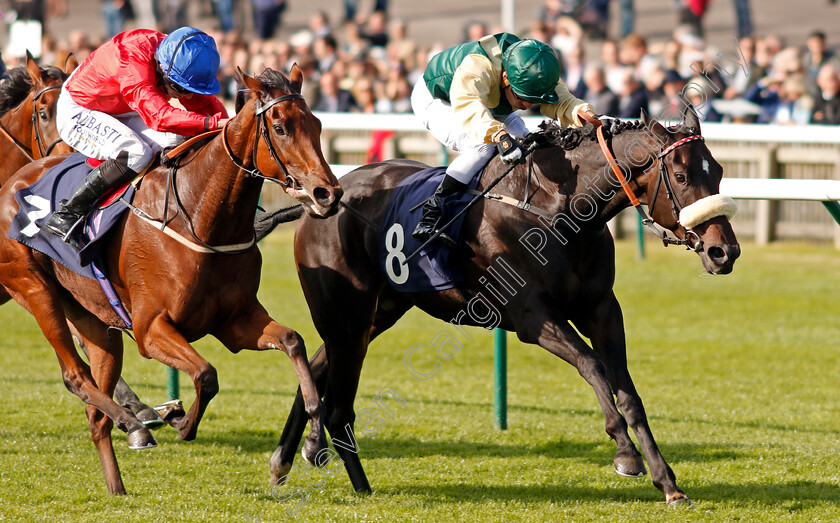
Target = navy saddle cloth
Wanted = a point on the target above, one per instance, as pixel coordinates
(38, 201)
(431, 270)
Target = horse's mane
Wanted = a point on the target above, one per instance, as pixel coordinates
(568, 138)
(271, 79)
(15, 88)
(275, 80)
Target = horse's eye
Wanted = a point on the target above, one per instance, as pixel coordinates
(680, 177)
(279, 129)
(43, 114)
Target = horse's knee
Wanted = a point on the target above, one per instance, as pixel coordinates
(337, 418)
(591, 368)
(632, 408)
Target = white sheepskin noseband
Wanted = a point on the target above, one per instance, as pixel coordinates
(707, 208)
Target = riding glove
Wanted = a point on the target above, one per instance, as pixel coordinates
(509, 150)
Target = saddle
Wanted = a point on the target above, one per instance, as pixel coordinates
(432, 269)
(35, 203)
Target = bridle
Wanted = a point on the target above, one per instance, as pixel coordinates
(36, 124)
(173, 159)
(261, 130)
(672, 198)
(662, 176)
(36, 127)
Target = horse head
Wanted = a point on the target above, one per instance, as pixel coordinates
(683, 192)
(46, 86)
(287, 140)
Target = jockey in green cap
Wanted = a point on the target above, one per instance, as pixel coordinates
(467, 99)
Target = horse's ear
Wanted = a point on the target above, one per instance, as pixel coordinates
(690, 119)
(296, 77)
(70, 63)
(655, 127)
(250, 82)
(33, 69)
(645, 118)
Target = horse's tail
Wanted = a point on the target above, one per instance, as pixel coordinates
(266, 222)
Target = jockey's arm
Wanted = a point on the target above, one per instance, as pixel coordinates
(473, 85)
(567, 110)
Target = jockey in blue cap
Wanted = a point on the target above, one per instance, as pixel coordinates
(467, 99)
(115, 107)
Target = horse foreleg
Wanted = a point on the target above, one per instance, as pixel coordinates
(563, 341)
(281, 461)
(255, 330)
(606, 331)
(105, 366)
(159, 339)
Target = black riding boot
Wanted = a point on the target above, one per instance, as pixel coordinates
(433, 208)
(110, 173)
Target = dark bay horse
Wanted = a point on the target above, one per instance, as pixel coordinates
(28, 131)
(200, 278)
(561, 265)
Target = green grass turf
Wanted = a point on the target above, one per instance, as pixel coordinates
(738, 373)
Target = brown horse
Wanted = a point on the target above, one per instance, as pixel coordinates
(546, 273)
(27, 114)
(179, 291)
(28, 132)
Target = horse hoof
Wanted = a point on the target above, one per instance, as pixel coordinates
(681, 503)
(279, 474)
(187, 434)
(150, 418)
(630, 466)
(141, 439)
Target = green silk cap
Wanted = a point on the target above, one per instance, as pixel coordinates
(533, 71)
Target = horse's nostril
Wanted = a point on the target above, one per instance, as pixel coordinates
(717, 254)
(323, 195)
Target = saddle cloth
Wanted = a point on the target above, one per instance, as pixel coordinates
(35, 203)
(431, 270)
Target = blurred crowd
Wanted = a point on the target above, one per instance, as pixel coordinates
(367, 62)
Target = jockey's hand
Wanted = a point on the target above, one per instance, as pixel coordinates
(509, 150)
